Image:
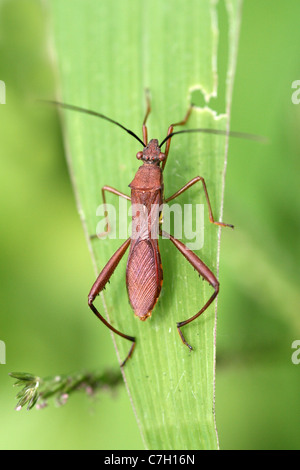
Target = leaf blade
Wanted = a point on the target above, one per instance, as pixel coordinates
(172, 389)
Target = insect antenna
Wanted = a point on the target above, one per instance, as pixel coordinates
(92, 113)
(240, 135)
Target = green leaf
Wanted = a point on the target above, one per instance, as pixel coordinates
(107, 54)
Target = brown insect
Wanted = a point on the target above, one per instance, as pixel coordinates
(144, 273)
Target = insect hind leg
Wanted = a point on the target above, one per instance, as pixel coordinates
(100, 284)
(204, 271)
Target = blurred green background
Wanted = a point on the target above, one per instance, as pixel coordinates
(47, 271)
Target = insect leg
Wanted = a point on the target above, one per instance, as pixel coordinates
(145, 131)
(204, 271)
(170, 130)
(113, 191)
(99, 285)
(187, 186)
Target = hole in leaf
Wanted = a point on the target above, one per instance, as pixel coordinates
(197, 98)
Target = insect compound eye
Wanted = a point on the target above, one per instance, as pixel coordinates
(139, 155)
(161, 157)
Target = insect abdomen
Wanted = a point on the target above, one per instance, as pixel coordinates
(144, 277)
